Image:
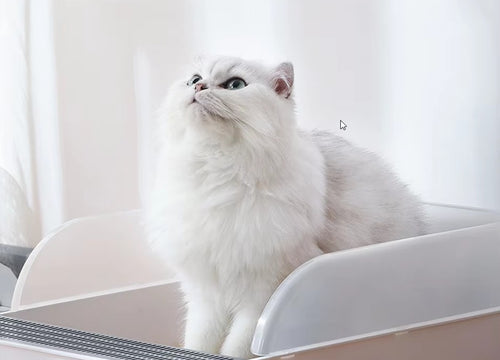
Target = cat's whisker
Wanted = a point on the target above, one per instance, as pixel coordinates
(217, 106)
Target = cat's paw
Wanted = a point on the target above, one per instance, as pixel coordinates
(237, 343)
(201, 345)
(241, 351)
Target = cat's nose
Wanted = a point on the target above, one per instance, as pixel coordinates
(199, 86)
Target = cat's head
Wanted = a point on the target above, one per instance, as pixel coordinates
(226, 99)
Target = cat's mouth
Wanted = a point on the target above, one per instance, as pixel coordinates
(199, 97)
(196, 101)
(209, 103)
(197, 104)
(200, 108)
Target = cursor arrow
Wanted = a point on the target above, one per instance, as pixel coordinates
(343, 125)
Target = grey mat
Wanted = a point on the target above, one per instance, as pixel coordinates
(108, 347)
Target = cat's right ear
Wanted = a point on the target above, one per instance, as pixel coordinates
(283, 79)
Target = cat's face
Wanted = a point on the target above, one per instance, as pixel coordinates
(225, 99)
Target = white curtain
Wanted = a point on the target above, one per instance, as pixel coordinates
(18, 224)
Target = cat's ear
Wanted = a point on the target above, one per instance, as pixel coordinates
(283, 79)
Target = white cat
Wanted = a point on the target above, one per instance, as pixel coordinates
(242, 196)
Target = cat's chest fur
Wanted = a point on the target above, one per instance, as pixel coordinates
(218, 217)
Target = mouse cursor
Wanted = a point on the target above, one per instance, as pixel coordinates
(343, 125)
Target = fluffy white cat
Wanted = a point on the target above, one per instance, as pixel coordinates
(242, 196)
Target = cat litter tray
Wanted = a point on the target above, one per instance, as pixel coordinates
(434, 285)
(430, 297)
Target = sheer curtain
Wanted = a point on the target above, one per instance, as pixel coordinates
(31, 191)
(18, 220)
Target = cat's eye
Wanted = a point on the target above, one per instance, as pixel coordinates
(193, 80)
(234, 84)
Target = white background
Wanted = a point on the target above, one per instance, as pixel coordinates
(416, 82)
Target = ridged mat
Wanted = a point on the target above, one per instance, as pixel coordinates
(104, 346)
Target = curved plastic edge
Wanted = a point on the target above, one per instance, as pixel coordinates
(23, 275)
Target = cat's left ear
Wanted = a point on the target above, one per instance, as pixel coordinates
(283, 79)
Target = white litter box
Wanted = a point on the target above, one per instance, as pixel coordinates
(430, 297)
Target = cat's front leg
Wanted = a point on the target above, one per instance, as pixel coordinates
(239, 339)
(206, 325)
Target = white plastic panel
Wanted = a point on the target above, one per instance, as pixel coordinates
(377, 288)
(152, 313)
(89, 255)
(464, 339)
(446, 217)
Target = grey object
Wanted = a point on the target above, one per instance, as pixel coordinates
(14, 257)
(7, 285)
(384, 288)
(19, 225)
(107, 347)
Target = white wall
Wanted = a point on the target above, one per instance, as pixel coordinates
(100, 120)
(442, 104)
(417, 82)
(96, 107)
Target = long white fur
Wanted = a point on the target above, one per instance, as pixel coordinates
(242, 197)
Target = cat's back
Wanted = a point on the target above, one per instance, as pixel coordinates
(366, 202)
